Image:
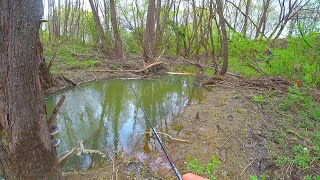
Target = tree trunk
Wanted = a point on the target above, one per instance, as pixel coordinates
(225, 46)
(149, 34)
(263, 19)
(25, 146)
(116, 31)
(104, 41)
(245, 24)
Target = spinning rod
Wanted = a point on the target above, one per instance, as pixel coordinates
(157, 136)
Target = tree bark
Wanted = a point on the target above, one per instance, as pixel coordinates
(225, 46)
(263, 19)
(104, 41)
(149, 34)
(116, 31)
(25, 146)
(245, 24)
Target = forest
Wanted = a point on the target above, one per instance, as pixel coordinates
(93, 89)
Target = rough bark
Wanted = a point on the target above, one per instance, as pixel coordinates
(149, 34)
(225, 46)
(116, 31)
(25, 145)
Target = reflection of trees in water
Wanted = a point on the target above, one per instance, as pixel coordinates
(105, 113)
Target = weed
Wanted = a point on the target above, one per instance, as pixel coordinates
(259, 99)
(208, 170)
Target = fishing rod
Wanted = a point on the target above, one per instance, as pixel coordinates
(157, 136)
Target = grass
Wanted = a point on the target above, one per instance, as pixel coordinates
(298, 135)
(72, 56)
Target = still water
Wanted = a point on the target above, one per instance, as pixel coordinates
(106, 115)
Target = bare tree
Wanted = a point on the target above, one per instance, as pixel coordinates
(225, 46)
(105, 42)
(116, 31)
(25, 146)
(245, 24)
(149, 34)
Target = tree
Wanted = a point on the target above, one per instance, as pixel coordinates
(116, 31)
(105, 42)
(149, 34)
(225, 46)
(25, 146)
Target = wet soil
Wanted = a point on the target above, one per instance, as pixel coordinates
(229, 125)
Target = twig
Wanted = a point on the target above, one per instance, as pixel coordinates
(56, 109)
(69, 154)
(226, 141)
(172, 138)
(246, 167)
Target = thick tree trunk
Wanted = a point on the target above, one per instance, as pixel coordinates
(25, 145)
(116, 31)
(149, 34)
(225, 46)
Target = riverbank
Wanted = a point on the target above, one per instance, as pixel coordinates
(241, 128)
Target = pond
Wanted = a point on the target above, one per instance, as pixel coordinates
(106, 116)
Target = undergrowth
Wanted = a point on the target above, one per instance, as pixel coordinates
(298, 136)
(207, 170)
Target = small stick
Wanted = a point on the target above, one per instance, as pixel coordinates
(56, 109)
(172, 138)
(246, 167)
(226, 141)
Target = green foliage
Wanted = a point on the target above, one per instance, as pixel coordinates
(207, 170)
(259, 99)
(299, 136)
(291, 57)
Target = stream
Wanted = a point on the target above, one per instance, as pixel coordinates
(106, 116)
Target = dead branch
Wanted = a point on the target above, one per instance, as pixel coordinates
(170, 137)
(69, 81)
(69, 154)
(134, 71)
(56, 109)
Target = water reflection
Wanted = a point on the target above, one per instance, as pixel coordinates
(105, 114)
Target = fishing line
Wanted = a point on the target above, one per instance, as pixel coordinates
(157, 136)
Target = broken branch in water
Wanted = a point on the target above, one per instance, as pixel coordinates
(134, 71)
(56, 109)
(170, 137)
(69, 154)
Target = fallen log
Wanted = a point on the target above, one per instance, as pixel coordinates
(130, 70)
